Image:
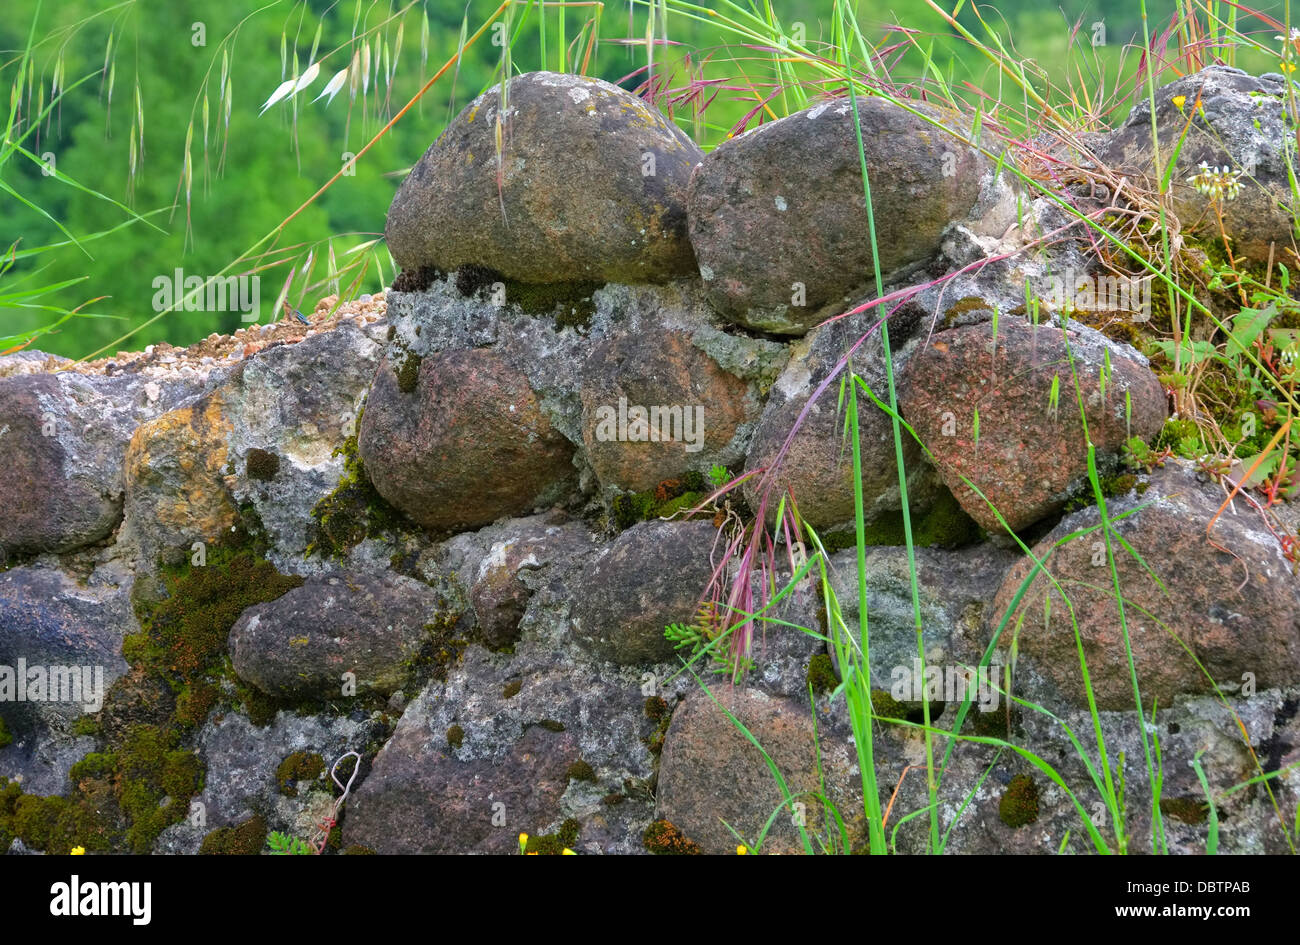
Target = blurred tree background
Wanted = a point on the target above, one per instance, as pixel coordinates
(151, 81)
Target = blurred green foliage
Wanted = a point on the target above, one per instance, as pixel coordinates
(246, 182)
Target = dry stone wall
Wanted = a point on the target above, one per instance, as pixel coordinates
(444, 528)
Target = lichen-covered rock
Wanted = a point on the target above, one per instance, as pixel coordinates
(263, 436)
(655, 406)
(467, 445)
(779, 220)
(652, 575)
(956, 592)
(1230, 596)
(301, 644)
(1243, 124)
(1027, 454)
(589, 186)
(505, 578)
(242, 759)
(711, 773)
(514, 745)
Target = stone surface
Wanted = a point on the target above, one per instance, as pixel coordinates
(468, 445)
(188, 471)
(300, 645)
(689, 410)
(652, 575)
(711, 773)
(1230, 596)
(1030, 456)
(64, 436)
(783, 204)
(589, 187)
(817, 465)
(1242, 124)
(506, 576)
(48, 619)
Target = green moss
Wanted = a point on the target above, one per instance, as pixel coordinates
(554, 844)
(656, 708)
(299, 766)
(580, 771)
(551, 725)
(85, 725)
(884, 705)
(407, 370)
(261, 464)
(455, 737)
(1189, 810)
(99, 765)
(353, 511)
(185, 634)
(245, 839)
(613, 799)
(995, 724)
(512, 689)
(944, 525)
(1019, 804)
(357, 850)
(5, 738)
(569, 303)
(1111, 487)
(664, 839)
(193, 703)
(969, 304)
(821, 673)
(667, 498)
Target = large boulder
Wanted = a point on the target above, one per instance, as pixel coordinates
(1243, 124)
(300, 645)
(1229, 595)
(467, 445)
(588, 185)
(1028, 455)
(779, 221)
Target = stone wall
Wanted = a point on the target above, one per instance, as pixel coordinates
(445, 527)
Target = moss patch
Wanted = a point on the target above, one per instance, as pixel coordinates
(5, 738)
(580, 771)
(664, 839)
(512, 689)
(884, 705)
(821, 673)
(1189, 810)
(1019, 804)
(455, 737)
(299, 766)
(352, 512)
(554, 844)
(261, 464)
(245, 839)
(667, 498)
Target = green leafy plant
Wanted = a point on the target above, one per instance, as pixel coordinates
(282, 844)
